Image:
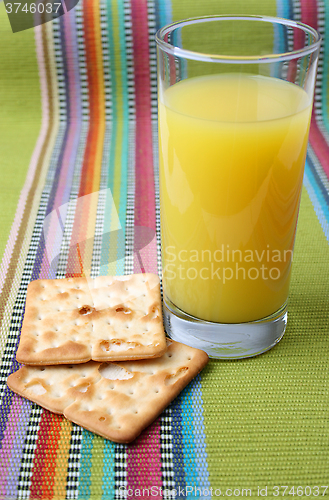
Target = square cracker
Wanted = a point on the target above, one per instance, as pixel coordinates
(114, 400)
(104, 319)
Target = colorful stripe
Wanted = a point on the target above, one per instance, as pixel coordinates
(44, 482)
(12, 446)
(324, 16)
(91, 169)
(316, 178)
(318, 195)
(317, 139)
(118, 162)
(163, 13)
(143, 459)
(144, 173)
(86, 465)
(163, 16)
(90, 178)
(196, 472)
(201, 466)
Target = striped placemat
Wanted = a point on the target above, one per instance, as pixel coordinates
(78, 131)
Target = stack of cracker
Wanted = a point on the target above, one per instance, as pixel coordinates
(96, 352)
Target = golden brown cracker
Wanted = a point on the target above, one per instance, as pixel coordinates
(109, 318)
(115, 400)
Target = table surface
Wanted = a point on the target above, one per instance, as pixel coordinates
(78, 119)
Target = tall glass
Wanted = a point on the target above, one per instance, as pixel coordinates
(235, 101)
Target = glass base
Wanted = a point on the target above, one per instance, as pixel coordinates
(225, 341)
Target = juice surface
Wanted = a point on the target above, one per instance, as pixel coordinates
(232, 153)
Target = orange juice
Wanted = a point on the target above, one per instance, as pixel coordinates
(232, 151)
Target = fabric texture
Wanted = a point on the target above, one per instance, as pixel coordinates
(79, 132)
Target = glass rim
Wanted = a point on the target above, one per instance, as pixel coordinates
(267, 58)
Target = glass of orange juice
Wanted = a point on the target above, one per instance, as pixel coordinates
(235, 101)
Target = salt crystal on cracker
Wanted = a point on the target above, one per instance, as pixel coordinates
(115, 400)
(74, 320)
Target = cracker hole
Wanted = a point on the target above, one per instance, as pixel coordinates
(123, 309)
(154, 312)
(83, 310)
(171, 379)
(83, 388)
(105, 345)
(111, 371)
(37, 389)
(101, 419)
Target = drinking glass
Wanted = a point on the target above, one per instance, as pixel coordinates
(235, 101)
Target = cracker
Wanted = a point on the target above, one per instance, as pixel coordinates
(109, 318)
(114, 400)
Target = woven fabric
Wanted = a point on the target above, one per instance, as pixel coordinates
(78, 130)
